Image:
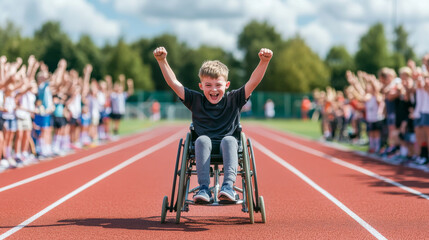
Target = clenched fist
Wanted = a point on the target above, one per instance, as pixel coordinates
(160, 53)
(265, 54)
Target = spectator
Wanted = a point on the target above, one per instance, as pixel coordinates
(390, 89)
(118, 98)
(269, 109)
(305, 107)
(59, 93)
(156, 111)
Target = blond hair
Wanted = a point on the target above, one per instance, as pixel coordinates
(384, 72)
(405, 70)
(213, 69)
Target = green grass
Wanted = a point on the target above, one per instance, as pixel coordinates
(130, 126)
(308, 129)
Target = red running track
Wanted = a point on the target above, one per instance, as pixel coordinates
(311, 191)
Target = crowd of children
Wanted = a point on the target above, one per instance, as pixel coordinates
(393, 108)
(45, 114)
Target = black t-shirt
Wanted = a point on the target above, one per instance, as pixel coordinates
(215, 120)
(402, 111)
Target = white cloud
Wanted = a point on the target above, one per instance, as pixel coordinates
(317, 37)
(322, 23)
(76, 17)
(197, 33)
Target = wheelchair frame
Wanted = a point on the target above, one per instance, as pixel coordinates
(251, 201)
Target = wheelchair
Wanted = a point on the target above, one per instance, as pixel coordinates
(248, 194)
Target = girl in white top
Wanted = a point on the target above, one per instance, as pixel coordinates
(10, 122)
(417, 116)
(117, 101)
(74, 105)
(374, 106)
(95, 105)
(26, 106)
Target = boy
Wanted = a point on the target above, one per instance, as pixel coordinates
(215, 116)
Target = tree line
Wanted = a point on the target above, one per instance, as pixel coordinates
(295, 67)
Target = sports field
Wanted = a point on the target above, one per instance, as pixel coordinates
(115, 191)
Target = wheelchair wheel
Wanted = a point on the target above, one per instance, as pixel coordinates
(164, 209)
(175, 175)
(247, 179)
(259, 205)
(183, 179)
(262, 209)
(253, 168)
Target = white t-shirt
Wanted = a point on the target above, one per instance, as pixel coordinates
(118, 102)
(372, 113)
(94, 105)
(75, 106)
(26, 102)
(425, 102)
(9, 107)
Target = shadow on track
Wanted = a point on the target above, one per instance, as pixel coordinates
(194, 224)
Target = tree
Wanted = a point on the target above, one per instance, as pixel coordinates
(193, 60)
(402, 51)
(92, 56)
(53, 45)
(177, 53)
(122, 60)
(339, 61)
(296, 69)
(255, 36)
(13, 45)
(373, 51)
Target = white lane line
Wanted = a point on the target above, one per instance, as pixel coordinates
(80, 161)
(343, 207)
(92, 182)
(343, 163)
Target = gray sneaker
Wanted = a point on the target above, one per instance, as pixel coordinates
(227, 194)
(203, 196)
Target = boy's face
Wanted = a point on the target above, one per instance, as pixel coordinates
(213, 88)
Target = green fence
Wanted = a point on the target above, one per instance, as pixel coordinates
(287, 105)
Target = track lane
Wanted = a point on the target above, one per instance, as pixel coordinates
(75, 160)
(28, 199)
(128, 203)
(409, 177)
(389, 209)
(21, 174)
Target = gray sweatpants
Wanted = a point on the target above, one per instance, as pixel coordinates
(229, 151)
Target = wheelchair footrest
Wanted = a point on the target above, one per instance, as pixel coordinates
(215, 204)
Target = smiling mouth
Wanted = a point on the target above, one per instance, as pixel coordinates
(214, 96)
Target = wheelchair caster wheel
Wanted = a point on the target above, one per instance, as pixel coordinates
(262, 209)
(164, 209)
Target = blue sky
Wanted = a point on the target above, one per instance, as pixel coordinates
(322, 23)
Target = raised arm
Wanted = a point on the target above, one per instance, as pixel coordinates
(86, 77)
(161, 56)
(109, 84)
(3, 60)
(130, 87)
(265, 56)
